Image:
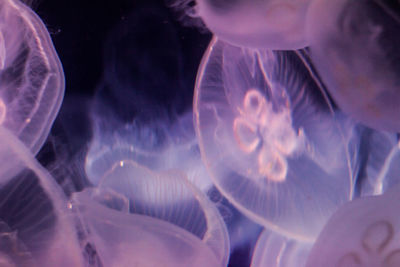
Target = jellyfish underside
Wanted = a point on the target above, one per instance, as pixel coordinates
(259, 129)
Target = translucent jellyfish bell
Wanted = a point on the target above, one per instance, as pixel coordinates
(31, 75)
(270, 140)
(274, 24)
(274, 250)
(355, 46)
(123, 239)
(36, 227)
(364, 232)
(169, 196)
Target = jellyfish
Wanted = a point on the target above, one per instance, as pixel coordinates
(36, 225)
(270, 139)
(274, 24)
(31, 75)
(364, 232)
(123, 239)
(274, 250)
(354, 46)
(163, 198)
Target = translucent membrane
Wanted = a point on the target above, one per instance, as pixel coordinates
(355, 46)
(274, 24)
(270, 140)
(123, 239)
(31, 75)
(364, 232)
(169, 196)
(274, 250)
(382, 164)
(36, 228)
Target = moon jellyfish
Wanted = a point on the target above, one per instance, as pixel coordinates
(274, 24)
(364, 232)
(36, 227)
(355, 46)
(274, 250)
(167, 197)
(123, 239)
(31, 75)
(270, 140)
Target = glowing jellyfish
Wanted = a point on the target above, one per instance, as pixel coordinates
(31, 75)
(364, 232)
(271, 142)
(274, 250)
(274, 24)
(354, 46)
(123, 239)
(36, 227)
(170, 199)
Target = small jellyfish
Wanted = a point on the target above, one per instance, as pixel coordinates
(274, 250)
(274, 24)
(270, 139)
(364, 232)
(354, 46)
(36, 226)
(162, 198)
(31, 75)
(123, 239)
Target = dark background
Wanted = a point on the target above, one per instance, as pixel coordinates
(133, 59)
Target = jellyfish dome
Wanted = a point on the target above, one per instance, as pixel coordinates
(36, 226)
(274, 24)
(270, 140)
(364, 232)
(354, 46)
(274, 250)
(166, 198)
(123, 239)
(31, 75)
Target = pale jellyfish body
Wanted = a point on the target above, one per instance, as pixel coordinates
(31, 75)
(269, 139)
(364, 232)
(168, 201)
(36, 226)
(123, 239)
(274, 250)
(274, 24)
(354, 46)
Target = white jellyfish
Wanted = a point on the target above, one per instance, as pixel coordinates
(166, 201)
(274, 24)
(274, 250)
(36, 226)
(354, 46)
(270, 140)
(364, 232)
(31, 75)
